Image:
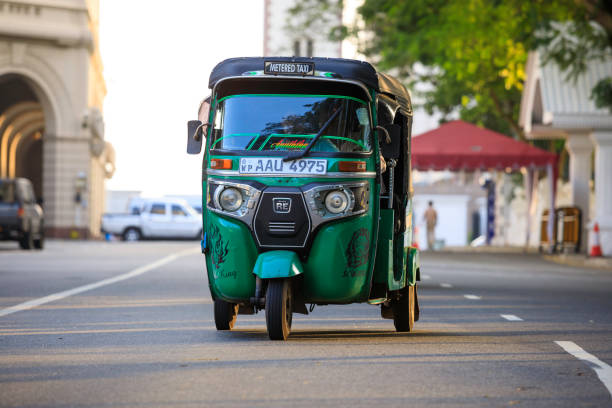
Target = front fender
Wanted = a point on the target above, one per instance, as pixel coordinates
(278, 264)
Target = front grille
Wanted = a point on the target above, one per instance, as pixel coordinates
(281, 228)
(281, 219)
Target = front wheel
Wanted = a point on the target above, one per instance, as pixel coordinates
(132, 234)
(225, 314)
(404, 310)
(279, 309)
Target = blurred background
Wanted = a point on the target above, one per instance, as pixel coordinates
(95, 94)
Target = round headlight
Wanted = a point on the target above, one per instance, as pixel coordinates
(230, 199)
(336, 202)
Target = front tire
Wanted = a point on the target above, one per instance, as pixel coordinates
(225, 314)
(404, 310)
(279, 309)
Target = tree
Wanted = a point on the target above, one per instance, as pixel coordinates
(474, 51)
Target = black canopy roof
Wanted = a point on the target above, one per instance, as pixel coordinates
(347, 69)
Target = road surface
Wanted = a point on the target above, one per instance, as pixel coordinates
(130, 325)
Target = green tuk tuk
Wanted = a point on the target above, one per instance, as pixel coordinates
(307, 195)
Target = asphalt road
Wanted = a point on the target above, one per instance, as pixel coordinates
(148, 339)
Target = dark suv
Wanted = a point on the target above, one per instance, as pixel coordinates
(21, 218)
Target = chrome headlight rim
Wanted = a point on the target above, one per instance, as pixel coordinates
(346, 205)
(250, 197)
(239, 201)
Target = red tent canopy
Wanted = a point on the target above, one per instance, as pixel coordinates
(459, 145)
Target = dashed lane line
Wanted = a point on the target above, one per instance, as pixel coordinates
(512, 318)
(472, 297)
(603, 370)
(446, 285)
(425, 277)
(30, 304)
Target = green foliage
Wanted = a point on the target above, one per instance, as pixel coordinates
(473, 52)
(602, 94)
(478, 48)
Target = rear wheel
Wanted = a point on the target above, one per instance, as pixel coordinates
(131, 234)
(39, 243)
(279, 309)
(404, 311)
(225, 314)
(27, 240)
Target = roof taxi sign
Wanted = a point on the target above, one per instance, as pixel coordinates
(289, 68)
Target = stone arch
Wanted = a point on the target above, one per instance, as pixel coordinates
(48, 87)
(28, 110)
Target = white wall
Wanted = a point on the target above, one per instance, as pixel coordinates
(453, 218)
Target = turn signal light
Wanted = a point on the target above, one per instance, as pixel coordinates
(221, 164)
(20, 212)
(353, 166)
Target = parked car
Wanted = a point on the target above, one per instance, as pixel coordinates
(157, 218)
(21, 218)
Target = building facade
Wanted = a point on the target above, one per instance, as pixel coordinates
(553, 107)
(51, 123)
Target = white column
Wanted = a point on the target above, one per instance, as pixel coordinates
(603, 187)
(580, 147)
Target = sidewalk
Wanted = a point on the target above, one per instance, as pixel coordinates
(580, 260)
(575, 260)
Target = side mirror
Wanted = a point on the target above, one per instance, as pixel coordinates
(195, 130)
(390, 148)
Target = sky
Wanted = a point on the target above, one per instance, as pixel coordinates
(157, 58)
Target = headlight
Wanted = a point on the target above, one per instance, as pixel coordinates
(230, 199)
(336, 201)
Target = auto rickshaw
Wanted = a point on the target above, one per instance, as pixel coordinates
(307, 191)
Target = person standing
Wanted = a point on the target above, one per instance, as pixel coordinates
(431, 219)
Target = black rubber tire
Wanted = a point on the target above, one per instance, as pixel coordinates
(403, 310)
(225, 314)
(40, 242)
(279, 309)
(27, 240)
(132, 234)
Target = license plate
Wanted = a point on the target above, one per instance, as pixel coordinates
(261, 165)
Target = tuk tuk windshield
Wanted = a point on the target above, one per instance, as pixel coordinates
(289, 122)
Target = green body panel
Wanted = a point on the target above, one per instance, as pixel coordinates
(339, 267)
(413, 263)
(384, 261)
(230, 258)
(278, 264)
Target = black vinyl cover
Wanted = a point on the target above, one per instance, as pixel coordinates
(391, 86)
(347, 69)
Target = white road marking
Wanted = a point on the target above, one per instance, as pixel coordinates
(30, 304)
(512, 318)
(425, 277)
(472, 297)
(446, 285)
(603, 370)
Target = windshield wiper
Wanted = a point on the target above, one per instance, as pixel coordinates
(298, 155)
